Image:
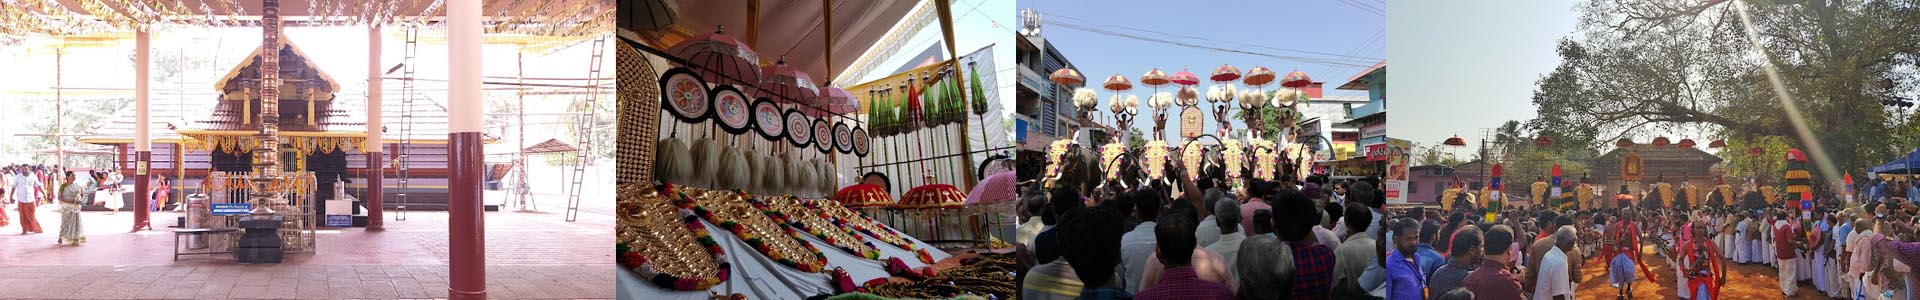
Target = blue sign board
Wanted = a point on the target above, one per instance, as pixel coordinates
(339, 221)
(231, 209)
(1806, 205)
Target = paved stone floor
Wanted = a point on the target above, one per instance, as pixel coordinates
(529, 256)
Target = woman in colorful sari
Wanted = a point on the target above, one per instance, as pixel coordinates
(73, 195)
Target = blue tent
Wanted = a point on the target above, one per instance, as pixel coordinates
(1908, 164)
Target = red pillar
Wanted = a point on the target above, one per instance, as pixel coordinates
(467, 239)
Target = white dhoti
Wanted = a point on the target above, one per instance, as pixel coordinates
(1819, 273)
(1787, 285)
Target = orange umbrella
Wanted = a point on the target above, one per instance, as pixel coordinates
(1154, 78)
(1067, 76)
(1258, 76)
(1117, 83)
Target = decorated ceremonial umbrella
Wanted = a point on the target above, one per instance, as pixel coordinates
(1686, 143)
(836, 100)
(1068, 77)
(1543, 141)
(1661, 141)
(1455, 141)
(1184, 78)
(1226, 73)
(863, 195)
(1258, 76)
(1117, 83)
(787, 84)
(1296, 79)
(1154, 78)
(1799, 179)
(1717, 144)
(995, 189)
(721, 58)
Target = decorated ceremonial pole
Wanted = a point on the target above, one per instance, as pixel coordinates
(466, 234)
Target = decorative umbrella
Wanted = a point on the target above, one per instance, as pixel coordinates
(648, 14)
(1543, 141)
(1258, 76)
(995, 189)
(1686, 143)
(1117, 83)
(837, 100)
(1717, 144)
(1226, 73)
(1799, 179)
(1455, 141)
(1661, 141)
(1067, 76)
(932, 196)
(788, 84)
(721, 58)
(1184, 78)
(1623, 143)
(1154, 78)
(1296, 79)
(863, 195)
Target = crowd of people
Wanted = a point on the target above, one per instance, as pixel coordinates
(32, 188)
(1209, 238)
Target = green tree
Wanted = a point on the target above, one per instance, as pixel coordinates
(1636, 66)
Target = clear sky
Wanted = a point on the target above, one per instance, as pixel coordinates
(1337, 38)
(1459, 66)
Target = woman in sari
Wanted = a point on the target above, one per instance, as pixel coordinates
(73, 195)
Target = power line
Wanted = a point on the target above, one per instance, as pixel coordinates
(1365, 7)
(1310, 60)
(1210, 41)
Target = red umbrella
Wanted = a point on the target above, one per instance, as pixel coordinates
(1225, 73)
(1067, 76)
(1717, 144)
(1455, 141)
(1543, 141)
(1686, 143)
(1661, 141)
(1154, 78)
(1258, 76)
(1184, 78)
(1117, 83)
(863, 195)
(721, 58)
(837, 100)
(787, 84)
(1296, 79)
(1624, 142)
(932, 196)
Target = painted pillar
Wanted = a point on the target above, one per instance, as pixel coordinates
(466, 234)
(142, 141)
(376, 163)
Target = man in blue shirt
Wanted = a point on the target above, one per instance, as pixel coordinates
(1429, 259)
(1404, 280)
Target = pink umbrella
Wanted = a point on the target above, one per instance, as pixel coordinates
(996, 189)
(836, 100)
(1296, 79)
(1117, 83)
(1154, 78)
(1258, 76)
(787, 84)
(1225, 73)
(721, 58)
(1184, 78)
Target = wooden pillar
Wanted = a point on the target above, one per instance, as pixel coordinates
(142, 140)
(376, 173)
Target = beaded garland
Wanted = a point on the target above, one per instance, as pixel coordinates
(647, 219)
(778, 208)
(751, 225)
(845, 218)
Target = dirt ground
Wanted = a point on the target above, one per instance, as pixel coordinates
(1744, 281)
